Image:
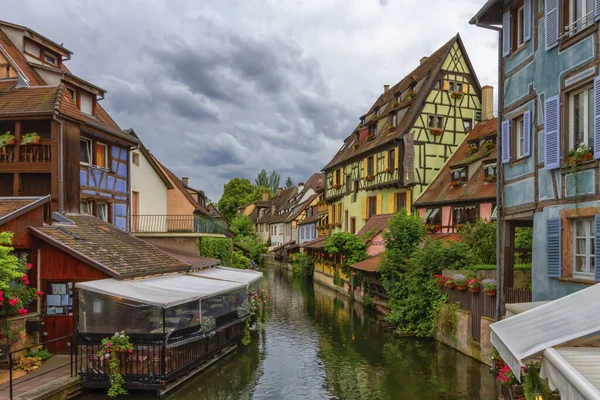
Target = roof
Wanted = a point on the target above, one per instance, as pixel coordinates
(316, 181)
(445, 237)
(573, 371)
(489, 14)
(212, 210)
(477, 188)
(151, 160)
(107, 248)
(527, 335)
(19, 61)
(374, 225)
(428, 70)
(179, 185)
(318, 243)
(279, 201)
(370, 264)
(192, 259)
(246, 276)
(314, 218)
(12, 207)
(283, 246)
(36, 34)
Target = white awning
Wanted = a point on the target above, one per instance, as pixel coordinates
(246, 276)
(434, 212)
(494, 215)
(165, 291)
(574, 371)
(428, 213)
(560, 321)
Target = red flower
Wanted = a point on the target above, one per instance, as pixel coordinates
(29, 266)
(22, 311)
(13, 301)
(38, 293)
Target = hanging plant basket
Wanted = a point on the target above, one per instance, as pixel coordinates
(450, 285)
(490, 293)
(461, 287)
(476, 289)
(370, 137)
(457, 95)
(436, 131)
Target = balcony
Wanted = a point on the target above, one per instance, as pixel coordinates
(176, 224)
(27, 156)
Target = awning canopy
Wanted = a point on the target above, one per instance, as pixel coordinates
(246, 276)
(494, 215)
(560, 321)
(573, 371)
(165, 291)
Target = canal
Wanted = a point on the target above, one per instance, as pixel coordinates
(316, 344)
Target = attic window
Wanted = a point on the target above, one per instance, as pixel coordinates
(459, 175)
(373, 129)
(436, 121)
(50, 59)
(456, 86)
(490, 172)
(377, 113)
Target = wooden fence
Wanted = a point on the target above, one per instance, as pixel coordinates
(479, 304)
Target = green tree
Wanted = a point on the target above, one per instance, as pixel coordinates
(481, 238)
(236, 193)
(289, 183)
(242, 225)
(274, 181)
(262, 179)
(351, 247)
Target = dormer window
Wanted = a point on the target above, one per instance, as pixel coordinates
(377, 113)
(395, 119)
(490, 172)
(459, 175)
(50, 59)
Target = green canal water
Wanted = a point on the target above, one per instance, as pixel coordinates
(317, 344)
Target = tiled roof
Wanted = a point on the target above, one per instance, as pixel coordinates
(429, 70)
(371, 264)
(439, 191)
(194, 260)
(111, 250)
(279, 201)
(6, 85)
(19, 59)
(12, 207)
(316, 181)
(374, 225)
(318, 243)
(38, 100)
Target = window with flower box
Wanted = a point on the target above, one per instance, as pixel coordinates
(490, 172)
(459, 175)
(436, 121)
(465, 214)
(433, 216)
(581, 118)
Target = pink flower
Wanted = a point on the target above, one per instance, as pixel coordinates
(38, 293)
(108, 344)
(29, 266)
(130, 350)
(22, 311)
(13, 301)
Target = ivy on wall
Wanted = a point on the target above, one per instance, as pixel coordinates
(221, 248)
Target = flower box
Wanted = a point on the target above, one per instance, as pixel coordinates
(455, 184)
(370, 137)
(410, 95)
(355, 146)
(586, 157)
(461, 287)
(488, 146)
(396, 104)
(337, 186)
(490, 293)
(490, 179)
(472, 150)
(389, 170)
(457, 95)
(450, 285)
(436, 131)
(31, 138)
(370, 177)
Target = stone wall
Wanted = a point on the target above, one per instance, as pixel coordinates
(462, 341)
(17, 324)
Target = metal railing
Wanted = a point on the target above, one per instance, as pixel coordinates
(579, 25)
(176, 224)
(12, 365)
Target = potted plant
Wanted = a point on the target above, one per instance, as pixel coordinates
(374, 117)
(370, 137)
(410, 95)
(337, 185)
(396, 104)
(457, 95)
(488, 146)
(508, 379)
(449, 283)
(455, 184)
(474, 285)
(389, 170)
(441, 280)
(489, 286)
(436, 131)
(355, 146)
(370, 177)
(497, 362)
(580, 154)
(7, 139)
(31, 138)
(490, 179)
(472, 149)
(460, 281)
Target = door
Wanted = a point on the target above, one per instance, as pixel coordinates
(58, 315)
(135, 210)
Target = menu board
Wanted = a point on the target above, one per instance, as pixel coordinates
(59, 298)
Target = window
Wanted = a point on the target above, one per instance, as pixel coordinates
(477, 115)
(86, 207)
(85, 151)
(392, 158)
(101, 151)
(463, 215)
(346, 220)
(371, 206)
(433, 216)
(338, 177)
(353, 225)
(581, 118)
(583, 247)
(468, 124)
(490, 172)
(580, 15)
(135, 158)
(455, 86)
(394, 119)
(102, 211)
(400, 201)
(370, 166)
(519, 142)
(377, 112)
(59, 298)
(459, 175)
(50, 59)
(73, 94)
(355, 191)
(436, 121)
(373, 129)
(339, 213)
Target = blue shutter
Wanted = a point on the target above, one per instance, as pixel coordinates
(553, 247)
(552, 23)
(552, 133)
(597, 11)
(527, 20)
(597, 116)
(506, 34)
(526, 134)
(505, 142)
(596, 247)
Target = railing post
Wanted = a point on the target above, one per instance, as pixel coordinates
(10, 374)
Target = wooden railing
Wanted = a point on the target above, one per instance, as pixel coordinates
(28, 153)
(175, 224)
(479, 304)
(514, 295)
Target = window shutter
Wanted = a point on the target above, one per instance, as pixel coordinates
(446, 85)
(379, 203)
(597, 116)
(365, 161)
(409, 202)
(505, 142)
(506, 34)
(526, 134)
(391, 201)
(597, 11)
(597, 247)
(552, 134)
(553, 247)
(552, 24)
(527, 20)
(465, 85)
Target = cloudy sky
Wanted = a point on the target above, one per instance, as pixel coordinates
(219, 89)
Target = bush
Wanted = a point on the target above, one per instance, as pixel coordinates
(221, 248)
(252, 247)
(239, 261)
(457, 255)
(368, 302)
(446, 318)
(302, 265)
(351, 247)
(242, 225)
(481, 238)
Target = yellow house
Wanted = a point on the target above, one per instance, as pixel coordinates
(404, 140)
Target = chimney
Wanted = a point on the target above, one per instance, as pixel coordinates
(386, 88)
(487, 103)
(185, 181)
(279, 190)
(265, 196)
(423, 60)
(300, 186)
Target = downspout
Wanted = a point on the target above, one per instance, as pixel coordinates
(61, 166)
(499, 171)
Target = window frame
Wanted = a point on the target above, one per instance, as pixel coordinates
(463, 175)
(106, 158)
(370, 166)
(394, 119)
(486, 168)
(371, 206)
(89, 205)
(570, 109)
(397, 203)
(464, 209)
(517, 128)
(100, 205)
(89, 151)
(589, 238)
(583, 23)
(438, 121)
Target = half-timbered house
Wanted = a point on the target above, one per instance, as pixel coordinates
(55, 137)
(404, 139)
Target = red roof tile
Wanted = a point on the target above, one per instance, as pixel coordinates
(374, 225)
(12, 207)
(371, 264)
